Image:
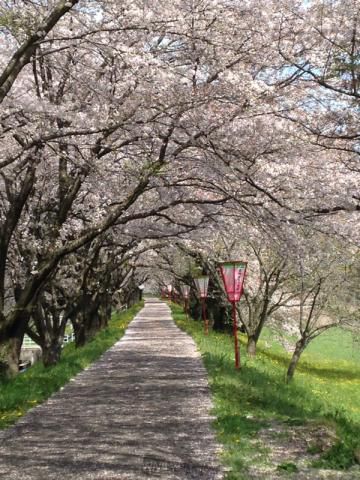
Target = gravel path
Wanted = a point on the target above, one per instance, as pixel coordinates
(140, 412)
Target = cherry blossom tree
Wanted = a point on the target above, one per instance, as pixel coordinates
(322, 282)
(136, 122)
(266, 290)
(317, 70)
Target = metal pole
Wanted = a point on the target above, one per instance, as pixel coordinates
(206, 323)
(186, 308)
(237, 352)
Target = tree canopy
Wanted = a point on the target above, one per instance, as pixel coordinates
(127, 128)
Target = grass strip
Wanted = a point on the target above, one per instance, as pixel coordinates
(245, 401)
(38, 383)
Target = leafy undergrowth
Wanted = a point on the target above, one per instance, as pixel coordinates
(247, 401)
(38, 383)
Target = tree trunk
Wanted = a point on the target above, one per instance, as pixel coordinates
(86, 328)
(251, 345)
(12, 357)
(51, 353)
(12, 347)
(104, 315)
(299, 348)
(93, 325)
(217, 313)
(80, 334)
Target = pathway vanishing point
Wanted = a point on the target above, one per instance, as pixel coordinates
(141, 412)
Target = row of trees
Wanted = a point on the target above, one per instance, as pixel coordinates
(123, 125)
(301, 293)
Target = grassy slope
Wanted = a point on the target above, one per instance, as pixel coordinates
(322, 390)
(335, 343)
(38, 383)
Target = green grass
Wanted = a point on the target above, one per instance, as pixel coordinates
(324, 390)
(335, 343)
(35, 385)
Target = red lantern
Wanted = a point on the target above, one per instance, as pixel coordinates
(202, 284)
(185, 290)
(233, 275)
(169, 289)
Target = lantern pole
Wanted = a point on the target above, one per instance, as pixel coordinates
(206, 322)
(202, 287)
(233, 274)
(186, 308)
(185, 290)
(236, 344)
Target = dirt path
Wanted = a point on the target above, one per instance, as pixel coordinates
(140, 412)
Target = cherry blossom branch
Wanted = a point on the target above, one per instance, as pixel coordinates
(23, 54)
